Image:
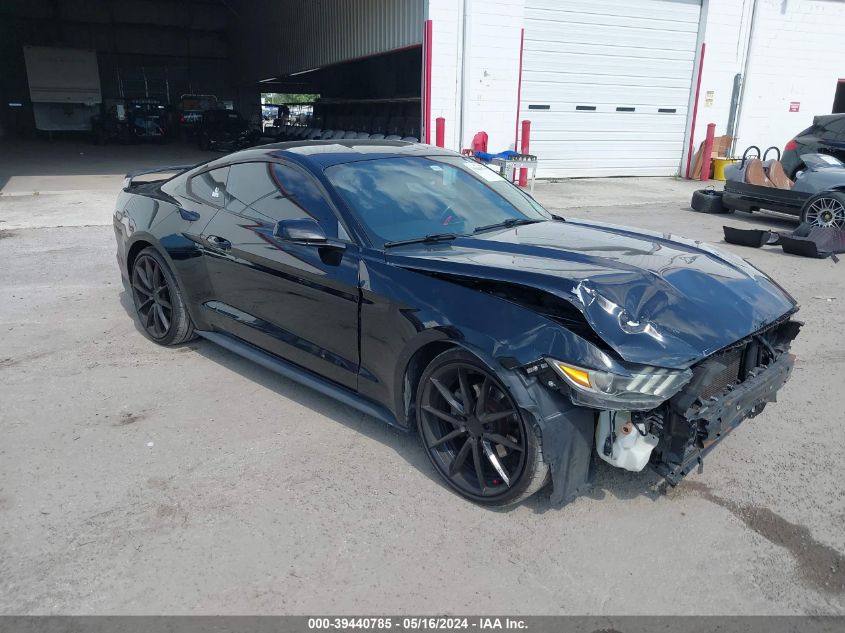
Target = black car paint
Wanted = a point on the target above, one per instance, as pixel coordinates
(825, 136)
(365, 319)
(224, 130)
(742, 196)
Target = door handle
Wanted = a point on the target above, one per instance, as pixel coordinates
(218, 242)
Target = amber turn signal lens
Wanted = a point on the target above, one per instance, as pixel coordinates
(578, 376)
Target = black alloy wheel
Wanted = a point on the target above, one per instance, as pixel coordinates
(158, 302)
(474, 433)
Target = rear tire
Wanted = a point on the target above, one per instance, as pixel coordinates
(159, 304)
(708, 201)
(825, 209)
(488, 451)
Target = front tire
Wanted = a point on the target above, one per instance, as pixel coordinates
(474, 434)
(159, 304)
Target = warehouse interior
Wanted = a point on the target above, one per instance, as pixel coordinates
(364, 61)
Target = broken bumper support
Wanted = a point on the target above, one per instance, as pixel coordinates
(716, 417)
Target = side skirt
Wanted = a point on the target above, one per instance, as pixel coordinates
(746, 197)
(302, 376)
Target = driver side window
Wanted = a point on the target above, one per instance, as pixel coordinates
(269, 192)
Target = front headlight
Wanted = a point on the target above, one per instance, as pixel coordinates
(643, 388)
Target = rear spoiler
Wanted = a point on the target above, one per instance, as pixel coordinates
(178, 169)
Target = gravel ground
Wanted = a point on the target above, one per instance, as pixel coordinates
(137, 479)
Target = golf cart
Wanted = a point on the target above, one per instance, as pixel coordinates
(816, 196)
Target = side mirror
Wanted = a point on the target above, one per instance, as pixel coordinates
(300, 230)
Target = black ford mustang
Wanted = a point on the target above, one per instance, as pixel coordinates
(425, 290)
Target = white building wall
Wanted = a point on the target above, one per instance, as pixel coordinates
(492, 81)
(796, 56)
(479, 92)
(725, 31)
(447, 28)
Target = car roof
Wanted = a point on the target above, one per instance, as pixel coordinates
(824, 119)
(334, 152)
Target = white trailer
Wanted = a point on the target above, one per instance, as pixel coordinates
(64, 87)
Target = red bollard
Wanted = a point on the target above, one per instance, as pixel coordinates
(524, 142)
(708, 150)
(440, 131)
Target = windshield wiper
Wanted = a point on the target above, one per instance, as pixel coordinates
(505, 224)
(433, 237)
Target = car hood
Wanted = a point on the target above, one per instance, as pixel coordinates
(654, 298)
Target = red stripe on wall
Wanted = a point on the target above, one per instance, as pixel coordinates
(695, 110)
(427, 80)
(518, 91)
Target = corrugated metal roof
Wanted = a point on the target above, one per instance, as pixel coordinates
(282, 37)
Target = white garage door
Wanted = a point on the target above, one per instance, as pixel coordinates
(606, 84)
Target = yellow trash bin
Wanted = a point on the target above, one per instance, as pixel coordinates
(719, 165)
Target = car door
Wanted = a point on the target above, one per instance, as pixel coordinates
(298, 301)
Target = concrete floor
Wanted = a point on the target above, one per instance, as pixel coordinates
(137, 479)
(68, 165)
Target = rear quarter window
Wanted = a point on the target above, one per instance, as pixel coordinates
(210, 186)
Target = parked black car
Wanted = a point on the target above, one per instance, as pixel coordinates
(191, 108)
(825, 136)
(422, 288)
(224, 130)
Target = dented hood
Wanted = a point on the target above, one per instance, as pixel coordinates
(656, 299)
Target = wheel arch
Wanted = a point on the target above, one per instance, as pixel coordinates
(134, 250)
(836, 192)
(142, 240)
(565, 430)
(410, 368)
(426, 347)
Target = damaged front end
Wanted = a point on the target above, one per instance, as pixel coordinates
(726, 388)
(670, 419)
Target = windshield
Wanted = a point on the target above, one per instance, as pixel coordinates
(410, 197)
(820, 161)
